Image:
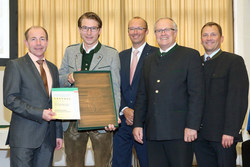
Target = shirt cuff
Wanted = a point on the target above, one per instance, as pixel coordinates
(121, 113)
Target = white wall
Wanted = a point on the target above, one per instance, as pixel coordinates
(242, 39)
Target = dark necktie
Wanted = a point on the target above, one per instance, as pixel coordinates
(43, 75)
(208, 58)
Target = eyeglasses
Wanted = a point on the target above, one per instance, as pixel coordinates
(159, 31)
(92, 29)
(136, 28)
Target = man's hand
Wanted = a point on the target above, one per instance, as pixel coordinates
(59, 143)
(138, 134)
(129, 115)
(190, 135)
(48, 115)
(71, 78)
(111, 127)
(227, 141)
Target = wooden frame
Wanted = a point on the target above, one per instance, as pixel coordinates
(96, 98)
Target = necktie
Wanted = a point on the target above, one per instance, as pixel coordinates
(133, 65)
(208, 58)
(43, 75)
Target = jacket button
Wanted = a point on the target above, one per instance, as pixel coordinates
(158, 81)
(156, 91)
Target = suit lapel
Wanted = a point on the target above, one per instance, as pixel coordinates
(145, 53)
(97, 57)
(35, 73)
(127, 65)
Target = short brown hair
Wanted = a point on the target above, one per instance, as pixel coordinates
(90, 15)
(27, 31)
(210, 24)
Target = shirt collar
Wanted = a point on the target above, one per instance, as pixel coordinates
(211, 55)
(140, 49)
(35, 58)
(90, 48)
(168, 48)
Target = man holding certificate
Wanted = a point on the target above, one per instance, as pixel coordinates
(33, 133)
(91, 55)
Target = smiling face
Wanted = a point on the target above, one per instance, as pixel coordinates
(90, 37)
(137, 32)
(211, 39)
(165, 39)
(36, 42)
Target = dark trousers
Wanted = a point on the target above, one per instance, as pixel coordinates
(246, 153)
(212, 154)
(76, 142)
(33, 157)
(123, 143)
(170, 153)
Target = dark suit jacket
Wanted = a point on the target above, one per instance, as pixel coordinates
(128, 92)
(226, 84)
(170, 94)
(25, 95)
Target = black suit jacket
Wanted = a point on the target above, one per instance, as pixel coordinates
(25, 95)
(170, 94)
(128, 92)
(226, 84)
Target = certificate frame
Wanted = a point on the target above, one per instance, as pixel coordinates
(96, 98)
(65, 103)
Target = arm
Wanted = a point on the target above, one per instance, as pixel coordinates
(195, 86)
(115, 72)
(13, 100)
(65, 73)
(141, 101)
(236, 100)
(116, 80)
(59, 129)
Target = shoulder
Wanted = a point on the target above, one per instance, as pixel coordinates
(187, 49)
(74, 48)
(125, 53)
(51, 64)
(151, 48)
(20, 60)
(231, 57)
(107, 50)
(187, 52)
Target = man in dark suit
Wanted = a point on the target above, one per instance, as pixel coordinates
(169, 100)
(226, 100)
(123, 138)
(33, 134)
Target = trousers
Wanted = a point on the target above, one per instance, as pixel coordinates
(76, 142)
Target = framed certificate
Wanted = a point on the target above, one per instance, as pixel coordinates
(96, 97)
(65, 103)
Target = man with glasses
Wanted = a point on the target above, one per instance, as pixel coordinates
(131, 64)
(226, 90)
(169, 100)
(91, 55)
